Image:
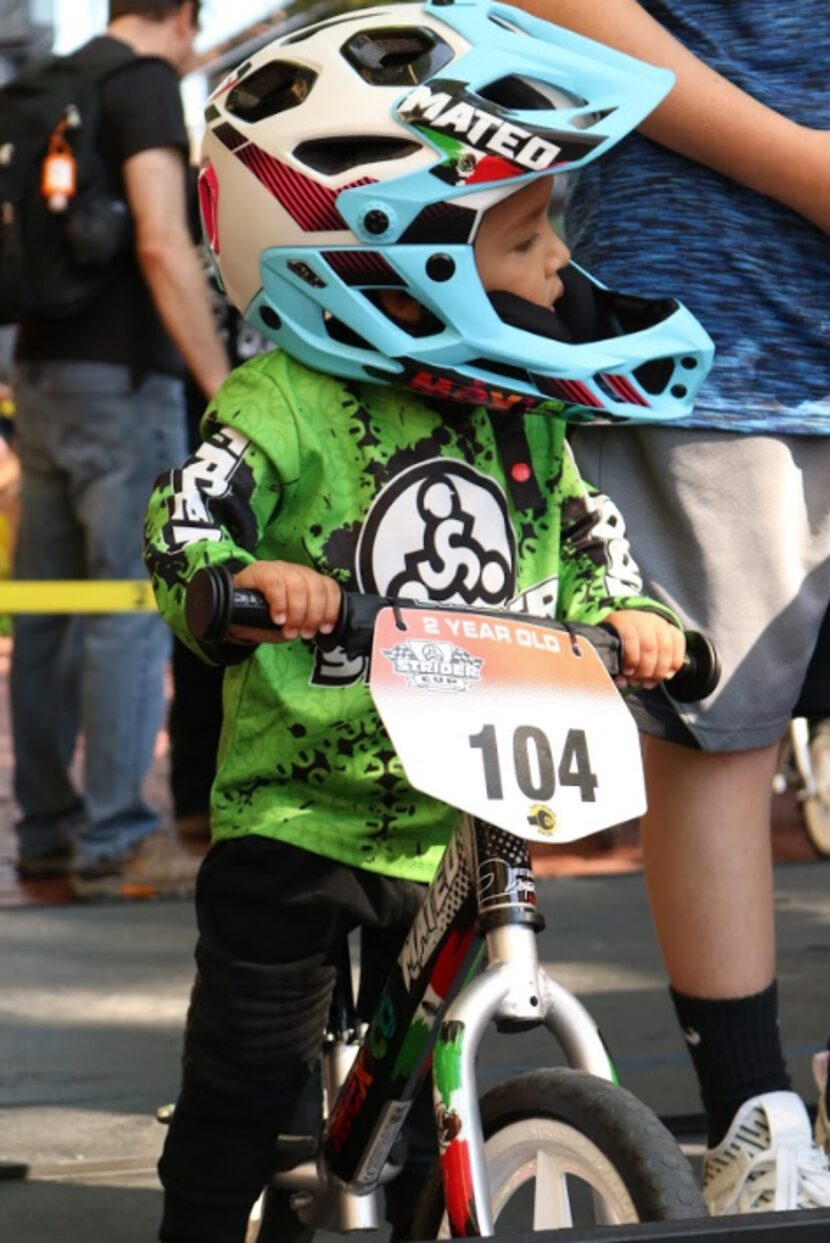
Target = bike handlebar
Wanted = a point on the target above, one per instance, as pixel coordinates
(213, 605)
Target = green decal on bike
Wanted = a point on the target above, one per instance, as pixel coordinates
(447, 1064)
(415, 1042)
(612, 1075)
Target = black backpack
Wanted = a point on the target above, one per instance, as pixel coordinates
(56, 263)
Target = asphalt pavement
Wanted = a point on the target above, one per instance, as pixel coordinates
(92, 1001)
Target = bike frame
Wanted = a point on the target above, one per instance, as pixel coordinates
(484, 885)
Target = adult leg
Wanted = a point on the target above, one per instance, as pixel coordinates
(121, 441)
(708, 862)
(757, 578)
(44, 680)
(706, 839)
(195, 720)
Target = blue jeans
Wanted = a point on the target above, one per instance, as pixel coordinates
(92, 441)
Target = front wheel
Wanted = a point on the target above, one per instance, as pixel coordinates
(564, 1148)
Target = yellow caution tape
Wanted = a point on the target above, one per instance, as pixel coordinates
(98, 596)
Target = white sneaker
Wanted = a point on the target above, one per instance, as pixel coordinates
(767, 1161)
(821, 1063)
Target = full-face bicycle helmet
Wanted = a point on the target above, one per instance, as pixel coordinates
(359, 154)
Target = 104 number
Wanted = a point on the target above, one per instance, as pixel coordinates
(537, 773)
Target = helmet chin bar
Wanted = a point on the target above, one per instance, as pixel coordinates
(598, 354)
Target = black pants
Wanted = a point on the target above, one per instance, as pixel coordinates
(194, 725)
(271, 919)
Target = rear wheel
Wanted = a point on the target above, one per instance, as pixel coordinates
(564, 1148)
(815, 808)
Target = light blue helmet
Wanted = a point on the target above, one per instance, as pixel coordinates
(360, 155)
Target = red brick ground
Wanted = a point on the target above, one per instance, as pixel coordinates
(617, 850)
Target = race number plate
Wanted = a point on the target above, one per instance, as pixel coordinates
(507, 720)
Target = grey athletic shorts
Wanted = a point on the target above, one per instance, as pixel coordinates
(733, 532)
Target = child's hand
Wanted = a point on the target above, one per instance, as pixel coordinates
(653, 649)
(300, 600)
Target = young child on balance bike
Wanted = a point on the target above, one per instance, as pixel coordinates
(376, 191)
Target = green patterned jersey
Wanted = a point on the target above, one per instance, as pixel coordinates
(390, 494)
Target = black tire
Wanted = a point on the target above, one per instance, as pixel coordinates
(632, 1142)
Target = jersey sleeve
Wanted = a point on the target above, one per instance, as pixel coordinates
(598, 572)
(215, 508)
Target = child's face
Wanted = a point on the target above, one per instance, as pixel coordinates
(517, 251)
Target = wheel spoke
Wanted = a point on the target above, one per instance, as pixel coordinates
(604, 1214)
(551, 1202)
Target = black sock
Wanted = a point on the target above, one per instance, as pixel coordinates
(735, 1045)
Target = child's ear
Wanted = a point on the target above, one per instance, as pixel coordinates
(401, 306)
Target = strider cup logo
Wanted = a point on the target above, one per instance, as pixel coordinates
(453, 112)
(432, 665)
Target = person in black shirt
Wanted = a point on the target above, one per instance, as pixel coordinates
(100, 414)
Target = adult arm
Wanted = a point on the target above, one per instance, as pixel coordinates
(155, 187)
(705, 117)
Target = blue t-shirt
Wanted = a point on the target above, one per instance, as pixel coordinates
(757, 275)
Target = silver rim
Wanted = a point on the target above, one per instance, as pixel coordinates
(546, 1152)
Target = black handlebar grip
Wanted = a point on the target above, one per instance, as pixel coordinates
(700, 672)
(213, 603)
(208, 602)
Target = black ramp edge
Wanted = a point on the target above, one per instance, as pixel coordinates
(801, 1227)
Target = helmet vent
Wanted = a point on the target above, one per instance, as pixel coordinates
(425, 324)
(517, 93)
(398, 56)
(654, 375)
(362, 267)
(501, 369)
(337, 155)
(272, 89)
(338, 331)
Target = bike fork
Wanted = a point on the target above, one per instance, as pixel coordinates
(514, 988)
